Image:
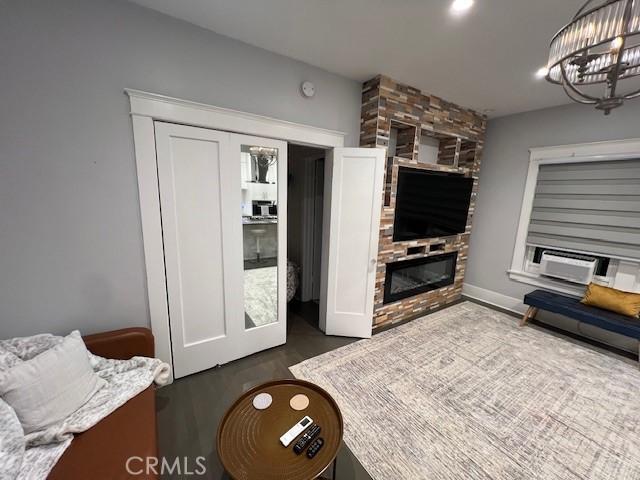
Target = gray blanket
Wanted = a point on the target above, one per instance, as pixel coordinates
(32, 456)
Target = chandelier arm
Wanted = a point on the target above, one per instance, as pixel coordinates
(566, 83)
(615, 73)
(575, 99)
(631, 95)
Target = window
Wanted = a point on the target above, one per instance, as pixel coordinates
(582, 200)
(589, 207)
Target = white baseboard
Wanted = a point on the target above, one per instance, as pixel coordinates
(496, 299)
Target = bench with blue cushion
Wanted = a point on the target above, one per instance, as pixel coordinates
(572, 308)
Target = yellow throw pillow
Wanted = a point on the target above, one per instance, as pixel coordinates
(624, 303)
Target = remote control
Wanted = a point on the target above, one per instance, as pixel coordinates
(294, 431)
(311, 433)
(315, 447)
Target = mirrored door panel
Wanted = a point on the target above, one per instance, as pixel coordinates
(260, 209)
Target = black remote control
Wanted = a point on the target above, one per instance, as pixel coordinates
(315, 447)
(311, 433)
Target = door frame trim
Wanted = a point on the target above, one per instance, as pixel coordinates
(145, 108)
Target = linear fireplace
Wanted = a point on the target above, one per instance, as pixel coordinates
(411, 277)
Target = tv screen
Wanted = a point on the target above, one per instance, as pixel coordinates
(430, 204)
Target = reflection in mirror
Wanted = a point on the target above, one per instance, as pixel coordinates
(259, 175)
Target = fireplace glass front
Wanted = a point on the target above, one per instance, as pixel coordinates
(412, 277)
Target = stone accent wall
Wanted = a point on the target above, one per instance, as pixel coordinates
(387, 104)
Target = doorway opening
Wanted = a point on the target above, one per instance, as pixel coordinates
(305, 184)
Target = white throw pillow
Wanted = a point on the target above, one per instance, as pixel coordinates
(51, 386)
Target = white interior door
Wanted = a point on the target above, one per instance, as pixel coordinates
(202, 188)
(352, 205)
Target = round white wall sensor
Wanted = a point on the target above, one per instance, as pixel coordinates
(308, 89)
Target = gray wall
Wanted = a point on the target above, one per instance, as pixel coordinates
(503, 175)
(71, 251)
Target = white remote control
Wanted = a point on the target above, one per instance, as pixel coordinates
(294, 431)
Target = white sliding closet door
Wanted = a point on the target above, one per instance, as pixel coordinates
(261, 290)
(202, 189)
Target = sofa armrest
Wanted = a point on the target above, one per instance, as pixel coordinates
(122, 344)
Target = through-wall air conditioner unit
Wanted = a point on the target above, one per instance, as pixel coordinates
(567, 266)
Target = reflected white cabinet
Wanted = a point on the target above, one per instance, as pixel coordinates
(245, 169)
(272, 174)
(262, 191)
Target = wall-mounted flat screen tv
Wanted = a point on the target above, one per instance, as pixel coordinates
(430, 204)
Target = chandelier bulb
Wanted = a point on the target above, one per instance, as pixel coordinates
(542, 72)
(616, 44)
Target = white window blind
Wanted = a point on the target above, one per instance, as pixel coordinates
(591, 207)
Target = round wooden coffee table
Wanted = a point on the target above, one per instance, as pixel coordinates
(249, 439)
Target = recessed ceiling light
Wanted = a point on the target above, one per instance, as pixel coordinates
(542, 72)
(461, 6)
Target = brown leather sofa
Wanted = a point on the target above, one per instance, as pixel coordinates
(101, 452)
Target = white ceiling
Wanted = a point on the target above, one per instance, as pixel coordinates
(485, 59)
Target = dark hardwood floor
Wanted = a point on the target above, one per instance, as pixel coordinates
(190, 408)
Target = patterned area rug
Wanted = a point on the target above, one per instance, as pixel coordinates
(465, 393)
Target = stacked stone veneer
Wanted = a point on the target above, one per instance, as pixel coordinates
(460, 131)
